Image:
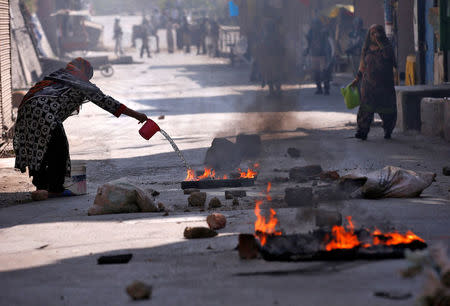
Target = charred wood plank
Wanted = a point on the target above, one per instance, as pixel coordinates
(210, 184)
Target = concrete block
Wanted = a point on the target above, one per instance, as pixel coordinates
(409, 101)
(432, 117)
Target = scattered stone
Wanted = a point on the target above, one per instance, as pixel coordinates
(330, 176)
(293, 152)
(235, 202)
(299, 196)
(231, 194)
(162, 117)
(161, 206)
(326, 218)
(187, 210)
(139, 291)
(446, 171)
(303, 174)
(121, 196)
(209, 248)
(166, 214)
(216, 221)
(190, 190)
(214, 203)
(223, 154)
(198, 232)
(248, 247)
(114, 259)
(314, 183)
(249, 146)
(393, 294)
(42, 247)
(197, 199)
(155, 193)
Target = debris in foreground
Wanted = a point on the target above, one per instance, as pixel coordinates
(121, 196)
(214, 203)
(231, 194)
(190, 190)
(114, 259)
(434, 263)
(446, 171)
(139, 291)
(393, 294)
(216, 221)
(197, 199)
(198, 233)
(248, 247)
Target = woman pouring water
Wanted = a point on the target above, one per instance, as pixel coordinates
(40, 143)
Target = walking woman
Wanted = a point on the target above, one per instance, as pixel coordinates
(40, 143)
(376, 80)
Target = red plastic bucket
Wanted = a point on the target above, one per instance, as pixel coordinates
(149, 129)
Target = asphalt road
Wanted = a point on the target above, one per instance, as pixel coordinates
(48, 250)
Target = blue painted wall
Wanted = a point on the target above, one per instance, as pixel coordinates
(429, 38)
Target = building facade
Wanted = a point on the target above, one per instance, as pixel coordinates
(6, 115)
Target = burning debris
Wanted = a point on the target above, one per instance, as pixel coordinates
(209, 179)
(339, 243)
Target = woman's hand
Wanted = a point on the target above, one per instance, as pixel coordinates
(354, 83)
(141, 117)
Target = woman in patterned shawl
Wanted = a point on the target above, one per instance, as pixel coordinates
(376, 79)
(40, 142)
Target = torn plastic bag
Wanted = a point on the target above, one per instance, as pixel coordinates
(394, 182)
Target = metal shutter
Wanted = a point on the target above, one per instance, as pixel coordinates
(6, 120)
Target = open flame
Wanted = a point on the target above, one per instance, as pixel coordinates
(211, 174)
(342, 238)
(394, 238)
(263, 228)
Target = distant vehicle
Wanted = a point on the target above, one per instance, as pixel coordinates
(76, 32)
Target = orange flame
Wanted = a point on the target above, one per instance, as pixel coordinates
(342, 238)
(190, 175)
(262, 226)
(249, 174)
(347, 239)
(394, 238)
(211, 174)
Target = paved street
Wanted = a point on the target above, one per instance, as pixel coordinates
(202, 98)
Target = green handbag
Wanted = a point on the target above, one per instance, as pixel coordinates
(351, 96)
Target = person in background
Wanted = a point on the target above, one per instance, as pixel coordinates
(357, 36)
(40, 142)
(118, 34)
(271, 56)
(186, 30)
(376, 80)
(321, 49)
(145, 39)
(169, 37)
(155, 24)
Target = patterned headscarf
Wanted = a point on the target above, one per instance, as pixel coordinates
(80, 68)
